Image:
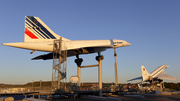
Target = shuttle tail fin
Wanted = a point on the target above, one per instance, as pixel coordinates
(37, 30)
(145, 74)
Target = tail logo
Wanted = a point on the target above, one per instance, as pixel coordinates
(30, 34)
(36, 29)
(143, 69)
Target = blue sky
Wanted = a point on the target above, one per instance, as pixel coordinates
(151, 26)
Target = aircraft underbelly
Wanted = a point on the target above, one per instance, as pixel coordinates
(86, 50)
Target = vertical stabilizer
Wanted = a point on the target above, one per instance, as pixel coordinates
(37, 30)
(145, 74)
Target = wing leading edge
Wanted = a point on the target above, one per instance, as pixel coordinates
(137, 78)
(163, 75)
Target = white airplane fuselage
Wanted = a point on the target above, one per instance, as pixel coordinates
(47, 45)
(39, 37)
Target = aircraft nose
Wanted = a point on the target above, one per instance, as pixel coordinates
(128, 44)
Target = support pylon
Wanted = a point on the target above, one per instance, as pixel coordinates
(116, 67)
(79, 76)
(58, 71)
(59, 66)
(79, 61)
(99, 60)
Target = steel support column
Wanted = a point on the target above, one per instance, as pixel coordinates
(79, 76)
(116, 67)
(99, 59)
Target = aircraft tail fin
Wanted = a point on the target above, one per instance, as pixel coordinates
(36, 30)
(145, 74)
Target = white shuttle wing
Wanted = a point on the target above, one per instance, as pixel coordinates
(163, 75)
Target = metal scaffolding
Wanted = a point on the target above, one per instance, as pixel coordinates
(59, 65)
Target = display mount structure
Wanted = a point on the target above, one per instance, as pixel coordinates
(59, 67)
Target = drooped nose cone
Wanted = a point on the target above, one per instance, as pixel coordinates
(128, 44)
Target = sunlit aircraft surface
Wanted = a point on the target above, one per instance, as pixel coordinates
(39, 37)
(156, 75)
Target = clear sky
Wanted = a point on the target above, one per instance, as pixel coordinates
(151, 26)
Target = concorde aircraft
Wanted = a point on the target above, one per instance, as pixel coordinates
(39, 37)
(157, 75)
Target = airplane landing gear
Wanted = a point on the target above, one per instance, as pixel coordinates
(78, 61)
(99, 57)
